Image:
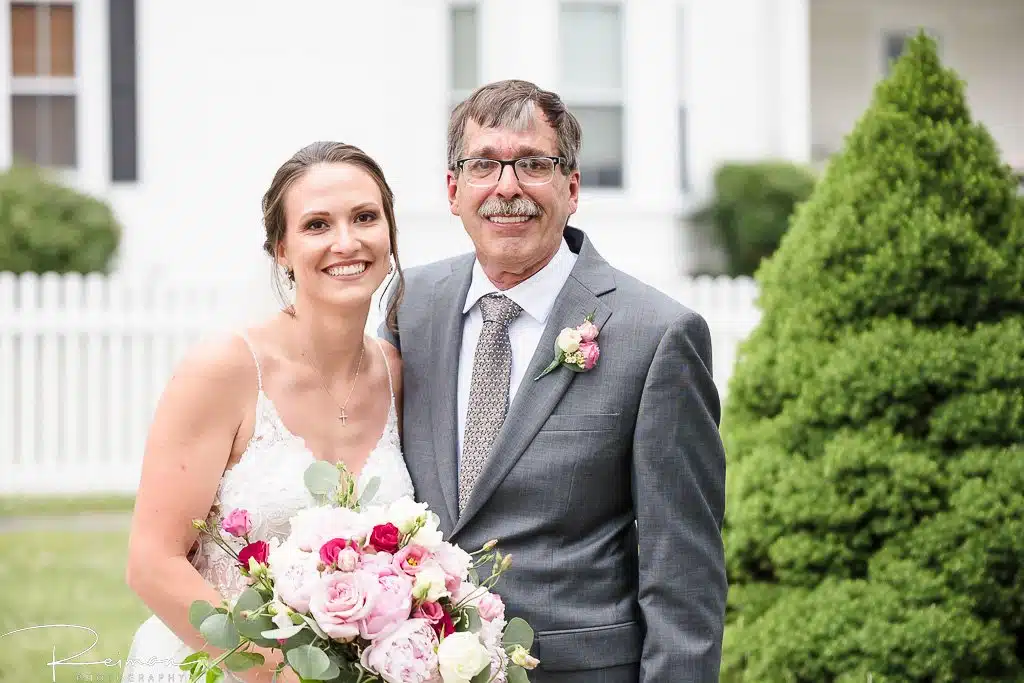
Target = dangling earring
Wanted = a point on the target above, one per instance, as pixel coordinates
(391, 264)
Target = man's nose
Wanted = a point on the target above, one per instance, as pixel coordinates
(508, 184)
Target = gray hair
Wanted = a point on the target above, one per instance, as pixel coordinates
(511, 104)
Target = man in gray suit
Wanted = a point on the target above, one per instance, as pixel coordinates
(573, 471)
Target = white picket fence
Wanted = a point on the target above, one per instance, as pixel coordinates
(83, 361)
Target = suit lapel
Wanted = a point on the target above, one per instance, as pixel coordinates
(536, 400)
(446, 342)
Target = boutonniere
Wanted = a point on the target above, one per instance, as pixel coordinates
(575, 348)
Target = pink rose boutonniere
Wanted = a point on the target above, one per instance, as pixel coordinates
(575, 348)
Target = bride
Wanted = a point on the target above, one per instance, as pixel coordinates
(243, 417)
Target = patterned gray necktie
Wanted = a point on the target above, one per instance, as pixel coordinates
(488, 390)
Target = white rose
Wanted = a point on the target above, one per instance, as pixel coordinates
(429, 582)
(428, 536)
(405, 513)
(312, 527)
(294, 573)
(568, 340)
(461, 656)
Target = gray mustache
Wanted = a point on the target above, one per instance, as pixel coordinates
(519, 206)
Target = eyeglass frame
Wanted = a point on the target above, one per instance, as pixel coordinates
(559, 161)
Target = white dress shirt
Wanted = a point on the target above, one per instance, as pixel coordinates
(536, 296)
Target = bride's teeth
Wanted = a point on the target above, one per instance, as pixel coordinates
(353, 269)
(509, 219)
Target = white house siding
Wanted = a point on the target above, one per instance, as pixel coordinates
(983, 40)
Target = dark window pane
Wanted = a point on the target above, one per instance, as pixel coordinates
(123, 88)
(601, 156)
(43, 129)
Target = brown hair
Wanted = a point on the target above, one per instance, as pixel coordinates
(510, 104)
(293, 169)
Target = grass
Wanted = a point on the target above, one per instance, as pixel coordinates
(31, 506)
(58, 577)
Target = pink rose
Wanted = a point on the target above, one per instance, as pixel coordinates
(406, 655)
(410, 558)
(439, 619)
(587, 330)
(341, 600)
(491, 607)
(455, 562)
(590, 354)
(237, 523)
(392, 606)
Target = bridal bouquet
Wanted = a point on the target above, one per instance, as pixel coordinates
(358, 595)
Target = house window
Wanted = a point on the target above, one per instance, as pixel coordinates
(43, 84)
(464, 55)
(894, 43)
(590, 76)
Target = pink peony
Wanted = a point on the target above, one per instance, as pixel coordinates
(590, 354)
(392, 606)
(587, 330)
(295, 575)
(341, 600)
(237, 523)
(312, 527)
(406, 655)
(490, 607)
(410, 558)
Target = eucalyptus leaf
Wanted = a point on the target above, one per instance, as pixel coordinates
(309, 662)
(482, 677)
(315, 626)
(283, 633)
(240, 661)
(220, 632)
(249, 601)
(473, 619)
(214, 675)
(370, 491)
(198, 611)
(518, 632)
(321, 478)
(517, 674)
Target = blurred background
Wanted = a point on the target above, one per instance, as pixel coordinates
(141, 135)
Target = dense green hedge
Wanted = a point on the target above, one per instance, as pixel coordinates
(751, 208)
(47, 227)
(875, 419)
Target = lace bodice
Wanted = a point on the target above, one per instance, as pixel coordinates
(268, 482)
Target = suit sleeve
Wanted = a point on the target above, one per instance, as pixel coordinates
(679, 496)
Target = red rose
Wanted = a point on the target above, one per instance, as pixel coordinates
(330, 551)
(384, 538)
(258, 551)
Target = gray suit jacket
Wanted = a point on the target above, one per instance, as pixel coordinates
(586, 468)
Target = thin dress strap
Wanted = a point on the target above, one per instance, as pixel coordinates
(259, 375)
(387, 367)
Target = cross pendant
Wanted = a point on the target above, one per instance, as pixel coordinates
(343, 417)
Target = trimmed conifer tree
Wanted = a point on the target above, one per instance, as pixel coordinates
(875, 418)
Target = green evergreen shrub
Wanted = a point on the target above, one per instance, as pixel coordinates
(751, 208)
(47, 227)
(875, 418)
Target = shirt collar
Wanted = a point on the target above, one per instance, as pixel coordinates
(536, 295)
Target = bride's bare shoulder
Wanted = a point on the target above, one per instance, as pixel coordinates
(222, 363)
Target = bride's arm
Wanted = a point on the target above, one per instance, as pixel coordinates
(194, 432)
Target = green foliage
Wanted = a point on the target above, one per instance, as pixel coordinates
(46, 227)
(875, 421)
(751, 209)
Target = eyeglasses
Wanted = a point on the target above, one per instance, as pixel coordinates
(529, 171)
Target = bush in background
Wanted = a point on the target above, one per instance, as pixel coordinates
(47, 227)
(875, 419)
(751, 209)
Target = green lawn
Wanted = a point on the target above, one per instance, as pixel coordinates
(64, 578)
(28, 506)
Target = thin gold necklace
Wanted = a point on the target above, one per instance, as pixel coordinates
(342, 415)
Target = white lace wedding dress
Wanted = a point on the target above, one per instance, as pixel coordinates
(268, 482)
